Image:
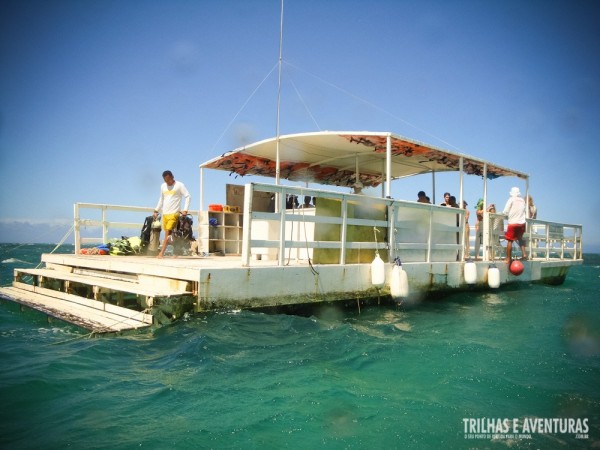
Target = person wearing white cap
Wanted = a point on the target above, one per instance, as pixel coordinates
(515, 209)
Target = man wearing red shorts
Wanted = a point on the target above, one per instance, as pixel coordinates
(515, 209)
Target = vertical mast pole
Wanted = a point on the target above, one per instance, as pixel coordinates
(277, 162)
(201, 189)
(484, 187)
(461, 181)
(388, 165)
(356, 170)
(486, 218)
(461, 232)
(527, 215)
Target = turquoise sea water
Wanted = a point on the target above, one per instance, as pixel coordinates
(387, 377)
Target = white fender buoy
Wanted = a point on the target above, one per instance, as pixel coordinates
(378, 272)
(470, 272)
(493, 277)
(399, 282)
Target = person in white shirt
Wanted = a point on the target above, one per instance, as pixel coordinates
(515, 209)
(171, 194)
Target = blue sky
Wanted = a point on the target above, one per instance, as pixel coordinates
(97, 98)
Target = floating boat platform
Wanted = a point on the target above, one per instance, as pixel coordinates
(118, 293)
(263, 250)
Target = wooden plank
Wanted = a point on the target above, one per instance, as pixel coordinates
(88, 303)
(127, 277)
(107, 283)
(181, 268)
(89, 318)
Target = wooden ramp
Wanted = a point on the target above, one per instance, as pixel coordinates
(91, 314)
(97, 281)
(100, 300)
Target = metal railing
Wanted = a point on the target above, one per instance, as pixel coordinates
(426, 233)
(494, 227)
(272, 232)
(543, 239)
(344, 225)
(341, 230)
(106, 223)
(552, 240)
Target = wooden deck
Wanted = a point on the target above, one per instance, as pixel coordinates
(104, 293)
(96, 316)
(97, 282)
(182, 267)
(91, 291)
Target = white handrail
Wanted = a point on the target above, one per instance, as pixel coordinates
(415, 232)
(104, 223)
(397, 239)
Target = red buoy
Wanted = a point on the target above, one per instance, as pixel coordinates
(516, 267)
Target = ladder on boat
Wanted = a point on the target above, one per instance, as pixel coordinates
(99, 301)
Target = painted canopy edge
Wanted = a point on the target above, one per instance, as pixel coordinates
(260, 159)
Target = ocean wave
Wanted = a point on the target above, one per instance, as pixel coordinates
(15, 261)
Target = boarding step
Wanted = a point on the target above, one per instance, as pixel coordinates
(96, 282)
(93, 315)
(132, 278)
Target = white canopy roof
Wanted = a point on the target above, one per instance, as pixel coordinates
(332, 157)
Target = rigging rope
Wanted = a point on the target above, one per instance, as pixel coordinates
(61, 242)
(16, 247)
(372, 105)
(243, 106)
(345, 91)
(304, 104)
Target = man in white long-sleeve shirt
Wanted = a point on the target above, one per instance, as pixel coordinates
(515, 209)
(171, 193)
